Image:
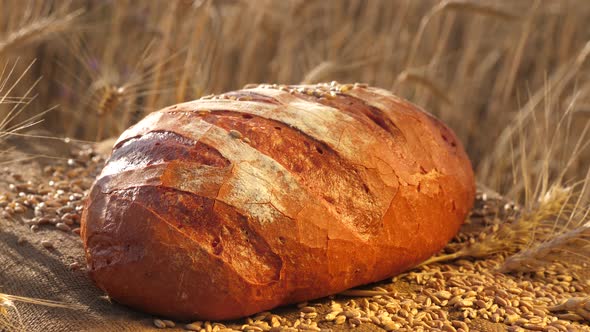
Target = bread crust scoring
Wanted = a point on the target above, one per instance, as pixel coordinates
(220, 208)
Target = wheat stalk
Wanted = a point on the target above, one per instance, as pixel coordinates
(578, 305)
(10, 299)
(493, 165)
(511, 237)
(573, 245)
(568, 240)
(113, 90)
(473, 7)
(434, 88)
(478, 8)
(8, 126)
(327, 69)
(517, 59)
(167, 25)
(201, 21)
(37, 30)
(7, 305)
(6, 322)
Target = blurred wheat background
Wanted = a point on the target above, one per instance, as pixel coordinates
(512, 78)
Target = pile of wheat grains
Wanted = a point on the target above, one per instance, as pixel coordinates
(463, 295)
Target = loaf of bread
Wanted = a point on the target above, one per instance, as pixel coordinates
(234, 204)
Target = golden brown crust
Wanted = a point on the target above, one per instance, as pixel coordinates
(217, 209)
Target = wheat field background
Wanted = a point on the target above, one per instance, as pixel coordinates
(512, 78)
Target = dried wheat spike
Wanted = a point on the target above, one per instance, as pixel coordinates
(577, 305)
(37, 30)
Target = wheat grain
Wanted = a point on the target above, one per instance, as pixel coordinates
(159, 323)
(360, 292)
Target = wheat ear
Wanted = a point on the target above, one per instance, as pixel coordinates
(37, 30)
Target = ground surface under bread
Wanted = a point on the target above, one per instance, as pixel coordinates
(42, 257)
